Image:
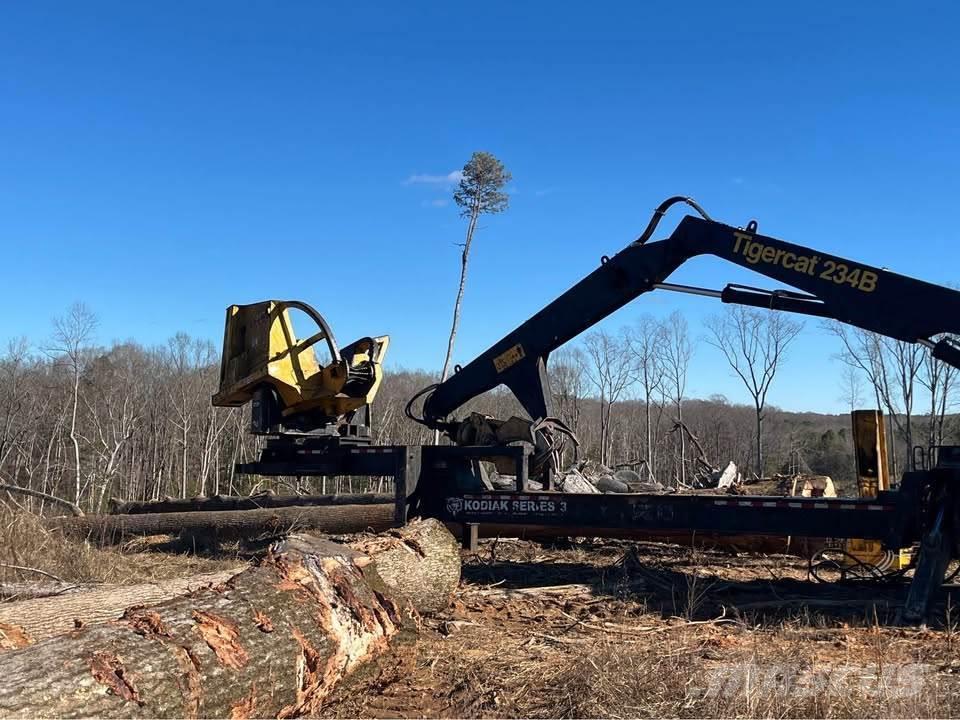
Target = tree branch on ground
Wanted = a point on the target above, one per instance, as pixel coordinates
(73, 507)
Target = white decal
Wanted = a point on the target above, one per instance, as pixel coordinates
(454, 506)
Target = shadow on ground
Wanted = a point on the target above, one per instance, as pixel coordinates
(703, 586)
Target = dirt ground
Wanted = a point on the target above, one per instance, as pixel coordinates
(627, 629)
(592, 628)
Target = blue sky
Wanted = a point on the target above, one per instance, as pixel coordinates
(160, 161)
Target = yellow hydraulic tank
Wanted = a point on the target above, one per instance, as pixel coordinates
(873, 475)
(870, 448)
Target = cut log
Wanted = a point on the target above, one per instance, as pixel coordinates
(245, 502)
(44, 618)
(414, 561)
(230, 524)
(727, 478)
(271, 642)
(608, 483)
(574, 482)
(10, 592)
(420, 562)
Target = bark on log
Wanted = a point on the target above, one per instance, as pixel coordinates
(48, 617)
(271, 642)
(243, 502)
(230, 524)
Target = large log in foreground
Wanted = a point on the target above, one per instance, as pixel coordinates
(418, 562)
(231, 524)
(245, 502)
(271, 642)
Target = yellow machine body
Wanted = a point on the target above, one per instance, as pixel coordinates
(873, 475)
(870, 448)
(261, 349)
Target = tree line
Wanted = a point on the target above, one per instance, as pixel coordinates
(637, 379)
(87, 423)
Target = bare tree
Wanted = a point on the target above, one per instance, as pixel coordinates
(677, 351)
(71, 336)
(188, 360)
(907, 361)
(115, 403)
(754, 343)
(610, 370)
(891, 367)
(938, 378)
(647, 342)
(851, 387)
(480, 192)
(568, 367)
(14, 394)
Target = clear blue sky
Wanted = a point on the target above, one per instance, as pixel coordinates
(160, 161)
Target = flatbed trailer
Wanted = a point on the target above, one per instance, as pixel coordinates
(445, 482)
(923, 511)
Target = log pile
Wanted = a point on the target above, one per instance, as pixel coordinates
(244, 502)
(270, 642)
(592, 477)
(596, 478)
(215, 526)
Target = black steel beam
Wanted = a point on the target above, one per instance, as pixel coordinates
(883, 519)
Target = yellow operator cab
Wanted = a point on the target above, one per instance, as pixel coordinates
(294, 384)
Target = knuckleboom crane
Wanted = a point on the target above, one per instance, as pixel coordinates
(306, 408)
(925, 509)
(867, 297)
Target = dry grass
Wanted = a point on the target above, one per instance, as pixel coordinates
(608, 629)
(634, 634)
(24, 542)
(772, 677)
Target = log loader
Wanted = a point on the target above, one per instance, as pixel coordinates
(302, 400)
(449, 481)
(835, 288)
